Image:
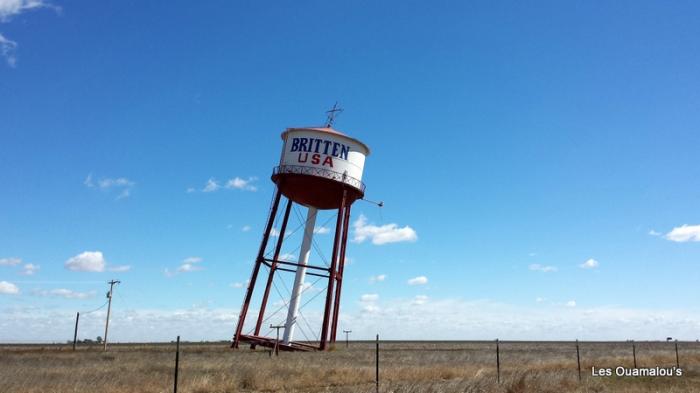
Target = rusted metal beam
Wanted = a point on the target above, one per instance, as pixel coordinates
(256, 270)
(271, 274)
(339, 276)
(325, 327)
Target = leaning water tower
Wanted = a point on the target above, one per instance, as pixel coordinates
(320, 169)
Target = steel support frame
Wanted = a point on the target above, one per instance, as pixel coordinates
(334, 274)
(270, 262)
(333, 271)
(339, 274)
(256, 270)
(273, 267)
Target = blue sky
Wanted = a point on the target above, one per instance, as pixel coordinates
(517, 141)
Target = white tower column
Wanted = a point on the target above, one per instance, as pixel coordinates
(301, 273)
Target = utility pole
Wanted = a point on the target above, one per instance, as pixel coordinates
(277, 341)
(109, 308)
(347, 333)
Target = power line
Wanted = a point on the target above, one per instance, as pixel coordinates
(97, 309)
(58, 282)
(347, 337)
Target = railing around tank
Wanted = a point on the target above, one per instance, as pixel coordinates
(320, 172)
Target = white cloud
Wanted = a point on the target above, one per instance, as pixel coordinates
(124, 194)
(684, 233)
(119, 268)
(274, 232)
(420, 300)
(389, 233)
(377, 278)
(246, 228)
(189, 264)
(369, 297)
(368, 302)
(65, 293)
(397, 319)
(237, 285)
(188, 267)
(236, 183)
(242, 184)
(108, 183)
(571, 303)
(280, 303)
(191, 260)
(589, 264)
(542, 268)
(420, 280)
(459, 319)
(540, 300)
(121, 185)
(10, 261)
(126, 324)
(8, 288)
(654, 233)
(288, 257)
(88, 261)
(10, 8)
(321, 230)
(29, 269)
(308, 287)
(8, 50)
(211, 186)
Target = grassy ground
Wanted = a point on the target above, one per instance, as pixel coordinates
(404, 367)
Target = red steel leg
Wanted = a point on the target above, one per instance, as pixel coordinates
(331, 276)
(278, 248)
(339, 276)
(256, 269)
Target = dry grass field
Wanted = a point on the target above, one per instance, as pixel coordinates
(404, 367)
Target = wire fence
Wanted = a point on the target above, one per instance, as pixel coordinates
(496, 360)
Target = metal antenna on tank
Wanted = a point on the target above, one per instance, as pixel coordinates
(379, 204)
(332, 114)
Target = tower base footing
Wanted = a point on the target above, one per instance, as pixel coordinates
(270, 343)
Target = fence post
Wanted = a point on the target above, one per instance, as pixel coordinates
(376, 371)
(177, 362)
(634, 354)
(498, 363)
(678, 364)
(75, 334)
(578, 361)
